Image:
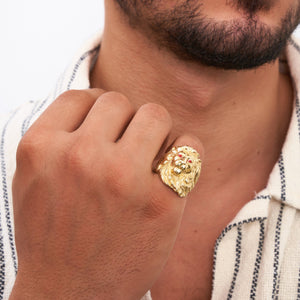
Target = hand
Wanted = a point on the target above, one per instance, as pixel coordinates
(92, 221)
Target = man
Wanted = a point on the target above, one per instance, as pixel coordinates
(91, 218)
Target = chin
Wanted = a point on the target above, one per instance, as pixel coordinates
(247, 39)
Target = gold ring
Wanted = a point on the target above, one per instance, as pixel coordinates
(180, 169)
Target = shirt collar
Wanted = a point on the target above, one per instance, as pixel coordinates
(284, 182)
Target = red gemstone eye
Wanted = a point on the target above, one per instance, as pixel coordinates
(180, 155)
(190, 160)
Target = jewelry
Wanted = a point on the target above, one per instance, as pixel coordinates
(180, 169)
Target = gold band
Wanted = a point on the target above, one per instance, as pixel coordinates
(180, 169)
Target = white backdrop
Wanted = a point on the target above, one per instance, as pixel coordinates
(37, 41)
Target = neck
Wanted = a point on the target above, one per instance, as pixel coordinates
(240, 116)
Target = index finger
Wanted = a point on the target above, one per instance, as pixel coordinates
(69, 110)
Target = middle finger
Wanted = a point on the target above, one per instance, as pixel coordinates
(147, 131)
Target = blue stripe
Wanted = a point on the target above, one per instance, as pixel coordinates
(262, 197)
(77, 65)
(57, 87)
(298, 291)
(58, 91)
(258, 260)
(282, 177)
(2, 265)
(224, 232)
(238, 250)
(297, 47)
(6, 199)
(37, 108)
(294, 44)
(276, 276)
(298, 114)
(26, 120)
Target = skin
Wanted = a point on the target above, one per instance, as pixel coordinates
(202, 102)
(134, 229)
(85, 234)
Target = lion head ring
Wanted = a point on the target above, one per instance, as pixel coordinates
(180, 169)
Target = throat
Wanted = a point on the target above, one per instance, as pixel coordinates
(241, 117)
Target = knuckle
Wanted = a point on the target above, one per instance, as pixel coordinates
(158, 206)
(119, 179)
(32, 148)
(115, 102)
(71, 98)
(71, 95)
(81, 100)
(156, 112)
(76, 158)
(96, 91)
(116, 98)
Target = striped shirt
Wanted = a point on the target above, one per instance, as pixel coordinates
(257, 256)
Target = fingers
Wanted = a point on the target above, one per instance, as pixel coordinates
(68, 111)
(109, 117)
(192, 141)
(147, 131)
(105, 117)
(145, 134)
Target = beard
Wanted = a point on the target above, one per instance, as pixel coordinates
(237, 44)
(251, 7)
